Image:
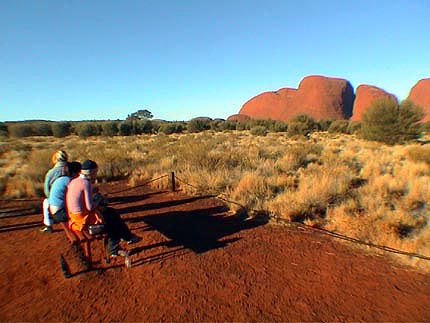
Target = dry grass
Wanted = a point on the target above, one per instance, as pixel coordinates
(364, 190)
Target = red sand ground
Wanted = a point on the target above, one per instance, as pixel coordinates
(196, 263)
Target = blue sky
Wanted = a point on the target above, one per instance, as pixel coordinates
(103, 59)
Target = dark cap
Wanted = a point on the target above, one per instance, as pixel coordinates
(89, 165)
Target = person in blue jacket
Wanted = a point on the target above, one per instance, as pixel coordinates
(57, 194)
(59, 159)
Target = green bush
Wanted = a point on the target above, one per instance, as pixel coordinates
(169, 128)
(124, 129)
(20, 130)
(324, 124)
(241, 126)
(259, 131)
(146, 126)
(269, 124)
(199, 124)
(87, 130)
(385, 121)
(301, 125)
(338, 126)
(109, 129)
(61, 129)
(425, 126)
(279, 126)
(409, 117)
(227, 125)
(354, 127)
(42, 129)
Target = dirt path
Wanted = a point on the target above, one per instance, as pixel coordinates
(196, 263)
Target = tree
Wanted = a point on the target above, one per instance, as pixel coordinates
(387, 121)
(140, 115)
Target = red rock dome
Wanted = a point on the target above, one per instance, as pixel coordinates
(317, 96)
(325, 97)
(420, 95)
(365, 95)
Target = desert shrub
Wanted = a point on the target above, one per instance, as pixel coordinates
(61, 129)
(425, 126)
(301, 125)
(215, 124)
(338, 126)
(3, 130)
(269, 124)
(354, 127)
(146, 126)
(199, 124)
(87, 130)
(259, 131)
(278, 126)
(385, 121)
(409, 117)
(169, 128)
(110, 129)
(124, 129)
(227, 125)
(324, 124)
(20, 130)
(42, 129)
(241, 126)
(419, 154)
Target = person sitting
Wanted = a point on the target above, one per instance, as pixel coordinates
(57, 206)
(114, 225)
(82, 207)
(59, 160)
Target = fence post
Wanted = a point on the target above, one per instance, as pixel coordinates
(172, 181)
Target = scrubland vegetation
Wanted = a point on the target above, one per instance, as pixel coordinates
(373, 192)
(329, 179)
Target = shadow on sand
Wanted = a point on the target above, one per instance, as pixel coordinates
(199, 230)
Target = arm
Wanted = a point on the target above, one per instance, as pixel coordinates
(46, 185)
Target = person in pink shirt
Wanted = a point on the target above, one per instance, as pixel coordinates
(79, 198)
(82, 207)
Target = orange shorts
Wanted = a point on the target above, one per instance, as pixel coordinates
(80, 221)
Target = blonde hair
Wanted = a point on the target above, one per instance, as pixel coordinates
(59, 156)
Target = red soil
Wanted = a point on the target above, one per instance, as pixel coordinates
(197, 263)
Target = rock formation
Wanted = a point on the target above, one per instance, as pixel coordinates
(316, 96)
(420, 95)
(364, 96)
(325, 97)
